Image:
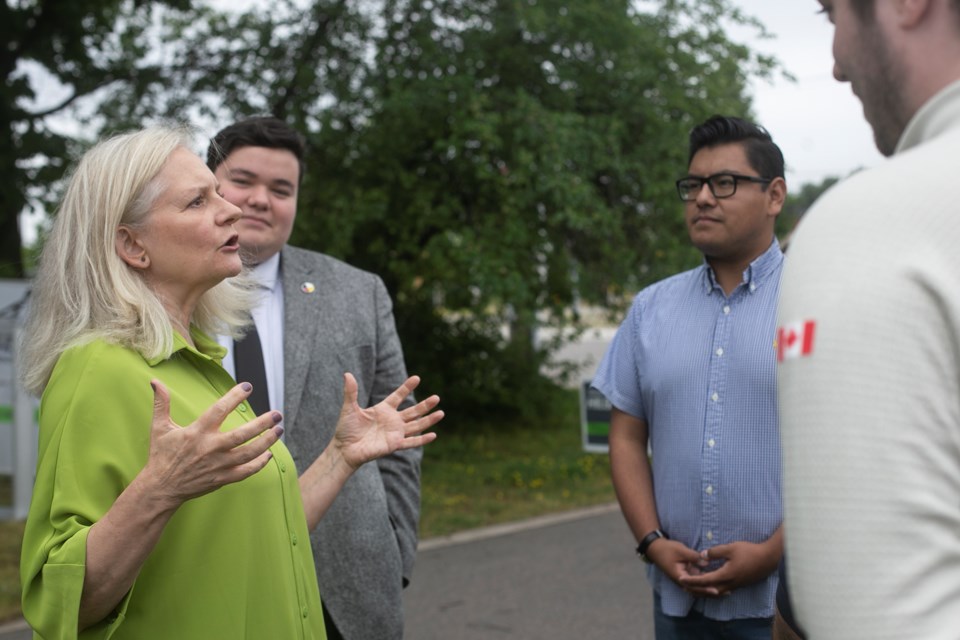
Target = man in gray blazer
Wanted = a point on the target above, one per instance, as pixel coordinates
(318, 318)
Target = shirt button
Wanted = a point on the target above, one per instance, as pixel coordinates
(753, 288)
(715, 397)
(304, 612)
(711, 442)
(726, 310)
(709, 490)
(720, 351)
(283, 468)
(293, 539)
(709, 535)
(243, 408)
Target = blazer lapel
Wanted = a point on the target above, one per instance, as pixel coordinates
(300, 325)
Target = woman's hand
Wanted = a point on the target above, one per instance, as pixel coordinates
(188, 462)
(366, 434)
(184, 463)
(363, 435)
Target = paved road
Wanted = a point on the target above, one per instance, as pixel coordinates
(15, 631)
(563, 577)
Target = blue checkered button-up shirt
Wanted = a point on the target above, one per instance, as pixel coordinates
(700, 369)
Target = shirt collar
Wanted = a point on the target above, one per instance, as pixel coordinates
(206, 347)
(756, 273)
(267, 273)
(939, 113)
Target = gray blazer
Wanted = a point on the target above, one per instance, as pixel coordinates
(365, 544)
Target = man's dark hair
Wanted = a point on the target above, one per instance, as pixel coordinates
(762, 153)
(265, 131)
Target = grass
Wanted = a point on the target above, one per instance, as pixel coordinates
(477, 473)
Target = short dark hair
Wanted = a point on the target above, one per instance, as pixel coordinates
(763, 154)
(260, 131)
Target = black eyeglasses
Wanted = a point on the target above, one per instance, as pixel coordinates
(722, 185)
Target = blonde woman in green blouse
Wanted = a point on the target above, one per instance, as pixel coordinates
(140, 527)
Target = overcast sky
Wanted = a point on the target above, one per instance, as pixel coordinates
(817, 121)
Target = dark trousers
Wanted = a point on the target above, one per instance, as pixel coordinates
(696, 626)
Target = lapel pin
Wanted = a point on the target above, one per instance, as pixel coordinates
(307, 287)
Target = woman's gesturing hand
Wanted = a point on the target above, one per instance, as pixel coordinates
(366, 434)
(188, 462)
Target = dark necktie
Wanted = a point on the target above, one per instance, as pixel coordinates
(248, 358)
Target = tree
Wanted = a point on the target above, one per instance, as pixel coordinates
(518, 156)
(297, 60)
(494, 160)
(85, 47)
(121, 64)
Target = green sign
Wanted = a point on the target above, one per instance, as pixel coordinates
(595, 412)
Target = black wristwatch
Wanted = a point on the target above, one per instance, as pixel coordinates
(648, 539)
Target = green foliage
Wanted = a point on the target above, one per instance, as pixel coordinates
(519, 157)
(122, 64)
(293, 59)
(81, 47)
(481, 472)
(496, 161)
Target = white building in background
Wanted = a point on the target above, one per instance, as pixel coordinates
(18, 426)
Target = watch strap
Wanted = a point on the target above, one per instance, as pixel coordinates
(648, 539)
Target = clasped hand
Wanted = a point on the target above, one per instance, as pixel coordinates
(743, 563)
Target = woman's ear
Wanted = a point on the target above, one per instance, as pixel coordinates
(129, 248)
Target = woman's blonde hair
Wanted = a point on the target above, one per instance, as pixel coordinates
(83, 290)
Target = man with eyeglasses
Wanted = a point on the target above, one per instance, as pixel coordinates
(871, 406)
(692, 373)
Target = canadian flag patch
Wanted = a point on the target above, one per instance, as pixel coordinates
(795, 339)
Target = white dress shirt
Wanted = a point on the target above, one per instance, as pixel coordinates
(268, 317)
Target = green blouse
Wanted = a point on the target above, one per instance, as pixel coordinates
(235, 563)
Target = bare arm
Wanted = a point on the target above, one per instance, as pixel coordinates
(630, 470)
(363, 435)
(184, 463)
(633, 483)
